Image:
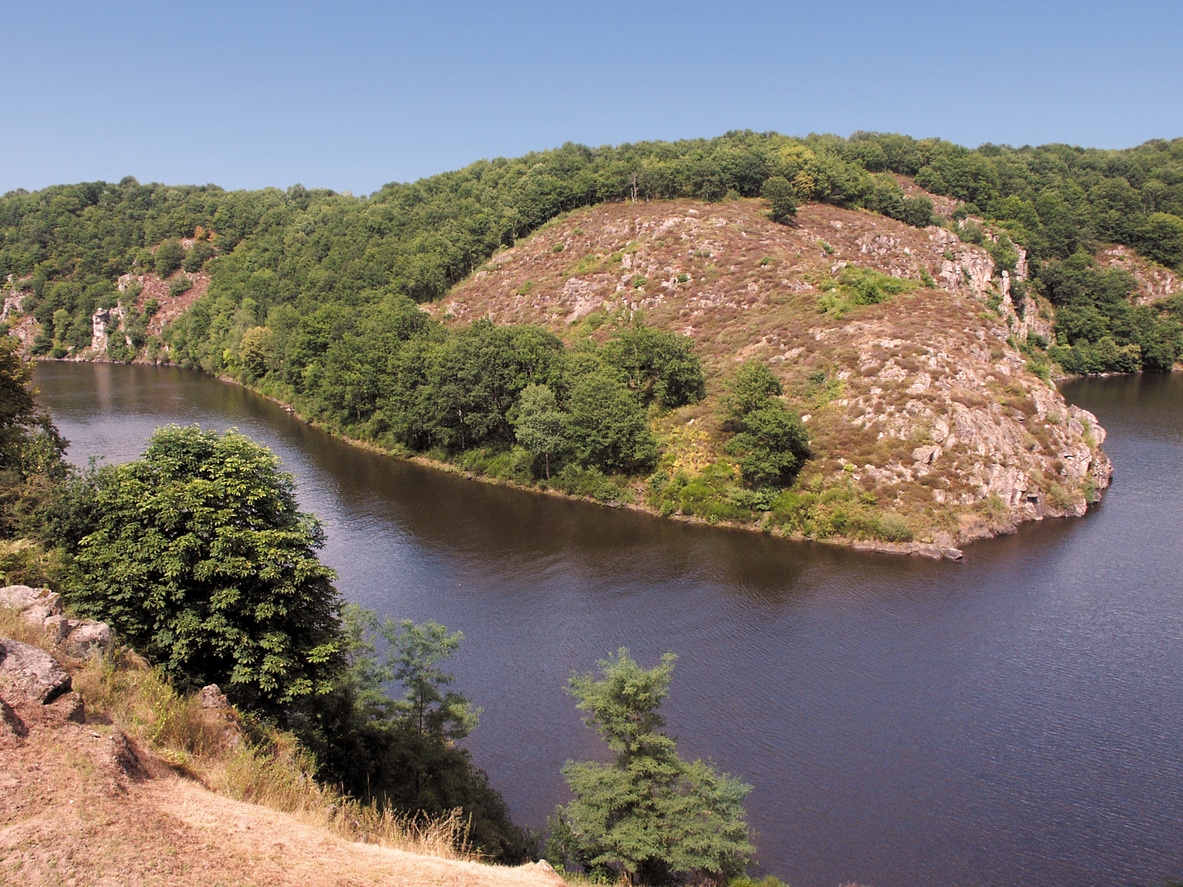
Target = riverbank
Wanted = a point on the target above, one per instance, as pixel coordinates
(930, 415)
(974, 698)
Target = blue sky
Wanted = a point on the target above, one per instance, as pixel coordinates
(352, 95)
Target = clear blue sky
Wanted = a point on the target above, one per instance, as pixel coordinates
(351, 95)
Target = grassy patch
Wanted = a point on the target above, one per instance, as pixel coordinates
(860, 286)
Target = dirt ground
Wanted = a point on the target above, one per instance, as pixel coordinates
(81, 805)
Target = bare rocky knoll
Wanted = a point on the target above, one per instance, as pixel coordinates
(86, 799)
(922, 406)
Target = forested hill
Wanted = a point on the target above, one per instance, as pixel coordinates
(310, 250)
(310, 296)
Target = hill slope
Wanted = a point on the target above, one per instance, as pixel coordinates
(927, 424)
(83, 802)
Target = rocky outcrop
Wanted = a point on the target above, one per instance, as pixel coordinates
(1152, 282)
(29, 673)
(101, 322)
(220, 717)
(923, 406)
(76, 638)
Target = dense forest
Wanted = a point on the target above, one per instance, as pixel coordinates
(313, 295)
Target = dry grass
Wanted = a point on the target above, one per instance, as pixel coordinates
(174, 736)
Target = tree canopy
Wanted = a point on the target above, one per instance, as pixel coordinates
(647, 816)
(198, 556)
(285, 261)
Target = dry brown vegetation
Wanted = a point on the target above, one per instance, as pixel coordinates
(155, 788)
(927, 425)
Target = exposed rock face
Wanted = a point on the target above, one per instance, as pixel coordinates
(76, 638)
(1153, 282)
(101, 322)
(35, 604)
(28, 672)
(220, 716)
(86, 638)
(211, 698)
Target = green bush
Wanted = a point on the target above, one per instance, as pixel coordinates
(201, 252)
(169, 256)
(866, 286)
(199, 557)
(182, 283)
(592, 483)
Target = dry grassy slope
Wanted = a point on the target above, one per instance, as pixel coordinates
(80, 804)
(921, 402)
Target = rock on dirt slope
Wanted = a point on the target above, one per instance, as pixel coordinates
(81, 803)
(923, 404)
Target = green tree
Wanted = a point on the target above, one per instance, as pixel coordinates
(1161, 238)
(199, 557)
(541, 427)
(400, 750)
(201, 252)
(648, 816)
(753, 385)
(61, 324)
(659, 365)
(31, 453)
(771, 445)
(169, 256)
(608, 428)
(29, 441)
(429, 706)
(782, 199)
(769, 440)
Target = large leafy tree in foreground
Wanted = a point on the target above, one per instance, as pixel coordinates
(198, 555)
(648, 816)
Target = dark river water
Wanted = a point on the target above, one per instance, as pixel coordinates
(1013, 719)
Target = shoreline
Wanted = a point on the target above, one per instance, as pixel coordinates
(942, 547)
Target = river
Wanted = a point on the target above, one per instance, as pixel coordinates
(1012, 719)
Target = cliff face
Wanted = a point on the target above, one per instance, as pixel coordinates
(922, 404)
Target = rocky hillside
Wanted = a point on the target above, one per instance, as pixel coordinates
(1153, 282)
(118, 330)
(91, 795)
(930, 426)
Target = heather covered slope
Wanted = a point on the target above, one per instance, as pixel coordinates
(928, 424)
(1069, 263)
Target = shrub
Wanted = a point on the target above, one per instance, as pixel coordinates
(782, 199)
(182, 283)
(201, 252)
(169, 256)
